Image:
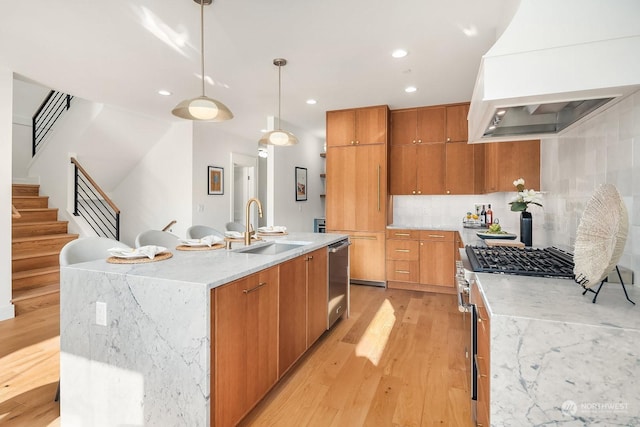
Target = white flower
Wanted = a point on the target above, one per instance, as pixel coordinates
(519, 181)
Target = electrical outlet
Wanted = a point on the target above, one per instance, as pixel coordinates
(101, 313)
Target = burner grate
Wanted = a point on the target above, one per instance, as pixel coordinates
(547, 262)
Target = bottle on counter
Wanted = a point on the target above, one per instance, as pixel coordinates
(489, 216)
(483, 216)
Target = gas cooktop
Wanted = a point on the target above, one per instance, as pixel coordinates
(547, 262)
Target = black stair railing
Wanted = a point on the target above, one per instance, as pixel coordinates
(43, 120)
(92, 204)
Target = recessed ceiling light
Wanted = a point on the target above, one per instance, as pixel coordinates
(164, 92)
(311, 101)
(410, 89)
(399, 53)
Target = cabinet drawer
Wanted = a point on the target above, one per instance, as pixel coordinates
(437, 235)
(403, 234)
(403, 271)
(406, 250)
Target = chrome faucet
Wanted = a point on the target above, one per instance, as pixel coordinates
(247, 233)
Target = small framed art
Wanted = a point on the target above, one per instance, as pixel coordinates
(301, 184)
(216, 180)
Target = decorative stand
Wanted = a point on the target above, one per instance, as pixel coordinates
(581, 282)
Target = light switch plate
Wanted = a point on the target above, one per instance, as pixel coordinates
(101, 313)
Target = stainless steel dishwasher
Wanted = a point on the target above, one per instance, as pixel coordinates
(338, 280)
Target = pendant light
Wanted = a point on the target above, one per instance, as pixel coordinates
(202, 108)
(279, 137)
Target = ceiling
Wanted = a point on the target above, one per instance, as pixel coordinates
(121, 52)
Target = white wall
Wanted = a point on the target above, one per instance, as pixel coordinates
(159, 188)
(6, 116)
(298, 216)
(213, 147)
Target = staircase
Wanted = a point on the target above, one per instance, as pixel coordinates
(37, 237)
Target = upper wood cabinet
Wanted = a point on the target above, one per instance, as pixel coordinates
(425, 125)
(357, 126)
(357, 188)
(417, 169)
(457, 125)
(507, 161)
(462, 175)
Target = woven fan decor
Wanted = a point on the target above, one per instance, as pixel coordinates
(600, 237)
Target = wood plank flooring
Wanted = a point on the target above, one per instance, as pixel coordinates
(397, 361)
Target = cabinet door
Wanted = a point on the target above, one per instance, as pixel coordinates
(457, 125)
(507, 161)
(371, 125)
(293, 312)
(246, 336)
(341, 128)
(367, 256)
(403, 170)
(460, 169)
(431, 125)
(437, 263)
(317, 294)
(341, 187)
(430, 168)
(404, 124)
(369, 188)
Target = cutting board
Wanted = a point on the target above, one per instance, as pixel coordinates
(503, 242)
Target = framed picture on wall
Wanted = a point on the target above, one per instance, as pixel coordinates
(216, 180)
(301, 184)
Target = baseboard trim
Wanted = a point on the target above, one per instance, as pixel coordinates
(7, 312)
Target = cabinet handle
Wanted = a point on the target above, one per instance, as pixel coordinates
(478, 368)
(403, 234)
(364, 237)
(419, 141)
(247, 291)
(448, 192)
(419, 192)
(402, 271)
(309, 258)
(413, 142)
(353, 142)
(448, 139)
(357, 142)
(414, 191)
(439, 236)
(403, 250)
(378, 188)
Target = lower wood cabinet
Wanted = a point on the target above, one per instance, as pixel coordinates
(261, 325)
(245, 356)
(482, 360)
(302, 306)
(366, 255)
(421, 259)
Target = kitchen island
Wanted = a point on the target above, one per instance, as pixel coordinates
(136, 339)
(556, 358)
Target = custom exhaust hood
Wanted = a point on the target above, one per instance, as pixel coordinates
(556, 64)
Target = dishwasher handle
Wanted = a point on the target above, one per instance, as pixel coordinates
(339, 246)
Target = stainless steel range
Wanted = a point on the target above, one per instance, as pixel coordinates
(547, 262)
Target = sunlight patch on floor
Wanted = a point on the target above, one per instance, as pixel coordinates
(374, 340)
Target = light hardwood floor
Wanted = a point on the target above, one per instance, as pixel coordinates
(397, 361)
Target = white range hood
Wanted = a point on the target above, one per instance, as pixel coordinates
(556, 64)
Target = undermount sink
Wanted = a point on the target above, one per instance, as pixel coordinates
(272, 248)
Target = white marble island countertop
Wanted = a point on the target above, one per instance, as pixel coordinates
(213, 268)
(556, 358)
(135, 339)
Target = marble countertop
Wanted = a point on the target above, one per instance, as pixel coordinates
(215, 267)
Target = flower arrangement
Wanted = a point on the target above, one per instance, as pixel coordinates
(524, 197)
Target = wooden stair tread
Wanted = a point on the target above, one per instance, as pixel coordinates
(21, 295)
(34, 254)
(43, 237)
(34, 272)
(31, 223)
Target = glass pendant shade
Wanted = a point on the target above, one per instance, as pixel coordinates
(279, 137)
(202, 108)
